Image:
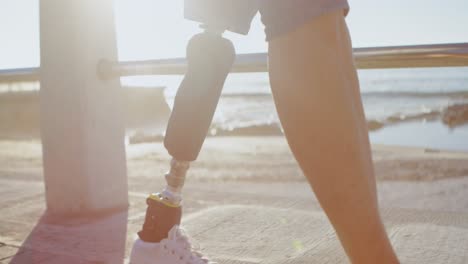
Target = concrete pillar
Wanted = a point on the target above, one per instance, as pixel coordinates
(82, 125)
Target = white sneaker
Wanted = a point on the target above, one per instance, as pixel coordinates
(176, 249)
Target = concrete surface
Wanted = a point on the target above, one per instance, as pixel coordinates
(233, 220)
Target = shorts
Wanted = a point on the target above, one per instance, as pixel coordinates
(278, 16)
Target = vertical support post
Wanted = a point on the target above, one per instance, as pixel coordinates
(82, 121)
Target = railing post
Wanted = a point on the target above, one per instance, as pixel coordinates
(82, 126)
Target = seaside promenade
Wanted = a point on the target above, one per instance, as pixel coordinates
(245, 202)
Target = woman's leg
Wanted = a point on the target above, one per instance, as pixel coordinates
(316, 92)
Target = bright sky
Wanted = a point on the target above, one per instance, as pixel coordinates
(148, 29)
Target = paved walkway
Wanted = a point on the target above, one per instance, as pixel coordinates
(233, 221)
(236, 226)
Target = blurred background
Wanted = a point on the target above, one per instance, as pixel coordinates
(417, 118)
(400, 104)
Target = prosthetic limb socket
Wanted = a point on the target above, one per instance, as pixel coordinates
(210, 58)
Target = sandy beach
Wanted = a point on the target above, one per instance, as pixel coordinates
(246, 201)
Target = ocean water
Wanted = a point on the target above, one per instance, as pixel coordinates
(404, 103)
(394, 98)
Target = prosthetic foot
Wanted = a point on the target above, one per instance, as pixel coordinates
(210, 58)
(161, 216)
(164, 209)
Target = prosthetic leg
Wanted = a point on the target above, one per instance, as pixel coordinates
(210, 58)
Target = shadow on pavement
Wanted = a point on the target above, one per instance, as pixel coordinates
(92, 239)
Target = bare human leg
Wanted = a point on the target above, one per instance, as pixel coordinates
(316, 92)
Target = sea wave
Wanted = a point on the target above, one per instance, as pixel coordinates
(274, 129)
(409, 94)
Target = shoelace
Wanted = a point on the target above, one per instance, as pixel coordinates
(179, 236)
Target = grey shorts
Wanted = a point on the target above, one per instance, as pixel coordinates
(278, 16)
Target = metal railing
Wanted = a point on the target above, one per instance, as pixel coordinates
(437, 55)
(19, 75)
